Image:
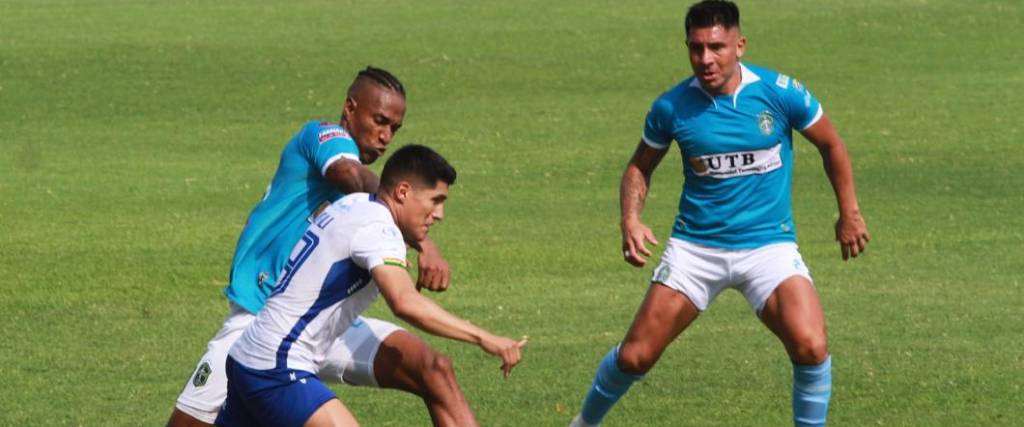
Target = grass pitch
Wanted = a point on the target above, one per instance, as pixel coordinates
(136, 135)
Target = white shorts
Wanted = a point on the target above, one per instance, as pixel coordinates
(349, 360)
(701, 272)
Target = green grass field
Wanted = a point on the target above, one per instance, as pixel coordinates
(136, 135)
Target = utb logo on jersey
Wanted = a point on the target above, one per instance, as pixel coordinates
(765, 122)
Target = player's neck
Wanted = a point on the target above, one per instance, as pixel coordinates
(731, 86)
(386, 200)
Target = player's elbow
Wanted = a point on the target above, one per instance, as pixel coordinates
(345, 176)
(407, 307)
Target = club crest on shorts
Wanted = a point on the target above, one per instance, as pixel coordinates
(202, 374)
(662, 273)
(765, 122)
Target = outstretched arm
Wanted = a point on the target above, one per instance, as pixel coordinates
(397, 288)
(851, 231)
(350, 176)
(636, 180)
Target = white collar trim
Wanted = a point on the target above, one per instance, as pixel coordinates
(747, 78)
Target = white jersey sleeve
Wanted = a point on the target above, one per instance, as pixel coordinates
(378, 243)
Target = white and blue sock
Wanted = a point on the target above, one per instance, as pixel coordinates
(812, 389)
(610, 383)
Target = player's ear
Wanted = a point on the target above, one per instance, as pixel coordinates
(403, 190)
(350, 107)
(741, 46)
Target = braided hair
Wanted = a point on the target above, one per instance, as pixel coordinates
(381, 77)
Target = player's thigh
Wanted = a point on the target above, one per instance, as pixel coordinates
(206, 389)
(794, 314)
(351, 359)
(663, 315)
(686, 280)
(332, 414)
(761, 271)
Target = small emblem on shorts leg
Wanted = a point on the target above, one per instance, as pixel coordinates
(798, 264)
(202, 374)
(662, 273)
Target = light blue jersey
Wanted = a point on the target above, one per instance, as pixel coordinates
(298, 190)
(737, 156)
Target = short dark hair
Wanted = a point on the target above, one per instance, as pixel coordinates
(709, 13)
(416, 163)
(381, 77)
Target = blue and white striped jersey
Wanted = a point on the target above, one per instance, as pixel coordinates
(324, 285)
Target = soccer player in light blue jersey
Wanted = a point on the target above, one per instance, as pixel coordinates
(323, 162)
(733, 123)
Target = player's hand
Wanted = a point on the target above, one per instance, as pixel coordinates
(509, 350)
(852, 235)
(635, 236)
(434, 272)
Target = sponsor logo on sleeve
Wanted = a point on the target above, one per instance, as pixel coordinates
(797, 85)
(782, 81)
(331, 133)
(739, 163)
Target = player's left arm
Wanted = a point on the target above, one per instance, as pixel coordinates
(434, 271)
(397, 289)
(851, 230)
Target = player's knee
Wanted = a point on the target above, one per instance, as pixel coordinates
(810, 350)
(635, 360)
(438, 371)
(442, 365)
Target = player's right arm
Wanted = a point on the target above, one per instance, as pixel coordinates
(636, 181)
(349, 176)
(332, 151)
(398, 290)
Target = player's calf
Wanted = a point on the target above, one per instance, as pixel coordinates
(405, 362)
(812, 390)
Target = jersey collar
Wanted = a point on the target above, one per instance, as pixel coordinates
(747, 78)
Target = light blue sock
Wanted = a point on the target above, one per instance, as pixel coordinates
(609, 385)
(812, 389)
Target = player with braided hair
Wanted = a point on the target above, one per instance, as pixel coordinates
(323, 162)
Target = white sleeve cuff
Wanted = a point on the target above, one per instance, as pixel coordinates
(653, 144)
(327, 164)
(817, 116)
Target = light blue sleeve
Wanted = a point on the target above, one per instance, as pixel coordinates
(324, 143)
(801, 107)
(657, 125)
